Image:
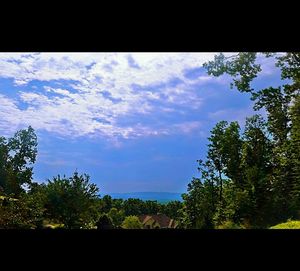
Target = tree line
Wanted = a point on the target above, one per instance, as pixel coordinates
(251, 176)
(67, 202)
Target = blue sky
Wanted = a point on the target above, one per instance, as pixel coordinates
(133, 121)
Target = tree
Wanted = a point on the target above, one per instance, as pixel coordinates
(134, 207)
(106, 204)
(215, 153)
(117, 217)
(201, 200)
(132, 222)
(117, 203)
(275, 173)
(241, 67)
(235, 183)
(295, 153)
(72, 201)
(151, 207)
(257, 169)
(104, 222)
(22, 213)
(13, 214)
(17, 155)
(171, 209)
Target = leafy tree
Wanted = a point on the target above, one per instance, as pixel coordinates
(117, 203)
(295, 153)
(106, 204)
(224, 153)
(17, 154)
(241, 67)
(116, 216)
(200, 200)
(72, 201)
(132, 222)
(257, 169)
(23, 212)
(215, 153)
(235, 179)
(13, 214)
(270, 154)
(151, 207)
(172, 208)
(134, 207)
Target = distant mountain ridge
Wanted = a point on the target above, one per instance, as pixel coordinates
(159, 196)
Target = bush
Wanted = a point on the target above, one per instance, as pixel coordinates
(290, 224)
(132, 222)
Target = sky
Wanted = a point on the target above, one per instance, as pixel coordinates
(135, 122)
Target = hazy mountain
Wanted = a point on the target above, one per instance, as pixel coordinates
(159, 196)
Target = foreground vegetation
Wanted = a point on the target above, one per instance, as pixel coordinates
(288, 225)
(249, 179)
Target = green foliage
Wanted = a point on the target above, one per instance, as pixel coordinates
(172, 209)
(199, 205)
(132, 222)
(23, 212)
(72, 201)
(106, 204)
(241, 67)
(117, 203)
(295, 146)
(133, 207)
(17, 154)
(235, 181)
(264, 184)
(151, 207)
(116, 216)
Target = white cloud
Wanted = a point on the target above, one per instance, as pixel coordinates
(267, 65)
(9, 115)
(98, 90)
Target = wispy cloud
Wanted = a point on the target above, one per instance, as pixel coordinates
(86, 94)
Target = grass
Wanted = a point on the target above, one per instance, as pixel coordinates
(292, 224)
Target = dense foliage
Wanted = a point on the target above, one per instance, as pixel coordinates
(251, 177)
(132, 222)
(72, 201)
(17, 154)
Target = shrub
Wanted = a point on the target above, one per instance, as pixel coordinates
(132, 222)
(290, 224)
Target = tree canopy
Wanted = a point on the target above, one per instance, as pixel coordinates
(17, 155)
(251, 176)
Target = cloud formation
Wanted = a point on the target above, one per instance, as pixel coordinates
(86, 94)
(90, 94)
